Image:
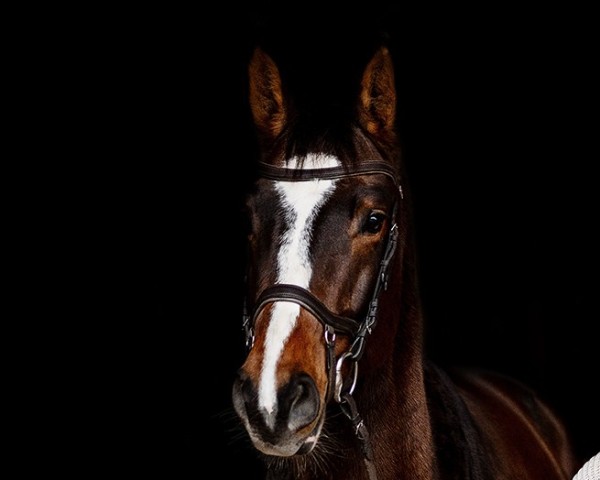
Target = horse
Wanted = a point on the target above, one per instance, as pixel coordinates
(332, 285)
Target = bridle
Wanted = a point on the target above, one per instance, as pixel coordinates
(338, 388)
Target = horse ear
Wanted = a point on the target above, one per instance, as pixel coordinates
(266, 95)
(377, 103)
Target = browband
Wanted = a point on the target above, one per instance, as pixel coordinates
(271, 172)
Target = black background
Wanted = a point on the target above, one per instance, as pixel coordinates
(496, 112)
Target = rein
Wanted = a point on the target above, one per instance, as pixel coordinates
(338, 388)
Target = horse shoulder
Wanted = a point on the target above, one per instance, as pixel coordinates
(524, 436)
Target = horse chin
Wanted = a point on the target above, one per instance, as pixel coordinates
(278, 450)
(292, 446)
(285, 449)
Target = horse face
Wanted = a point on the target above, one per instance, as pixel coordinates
(326, 236)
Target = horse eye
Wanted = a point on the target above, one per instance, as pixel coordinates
(374, 222)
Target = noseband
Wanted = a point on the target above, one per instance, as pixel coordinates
(338, 388)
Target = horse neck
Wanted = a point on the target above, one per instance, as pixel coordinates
(393, 397)
(396, 401)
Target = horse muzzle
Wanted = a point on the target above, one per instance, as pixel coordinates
(291, 426)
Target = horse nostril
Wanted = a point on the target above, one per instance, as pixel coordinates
(302, 398)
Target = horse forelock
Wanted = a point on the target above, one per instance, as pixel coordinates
(328, 130)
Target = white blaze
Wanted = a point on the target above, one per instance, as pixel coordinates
(301, 202)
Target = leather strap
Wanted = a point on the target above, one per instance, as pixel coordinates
(271, 172)
(293, 293)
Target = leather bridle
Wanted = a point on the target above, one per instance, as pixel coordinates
(339, 389)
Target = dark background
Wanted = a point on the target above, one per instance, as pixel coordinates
(495, 116)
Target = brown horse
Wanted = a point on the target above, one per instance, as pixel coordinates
(332, 286)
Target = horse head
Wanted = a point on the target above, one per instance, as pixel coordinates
(324, 227)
